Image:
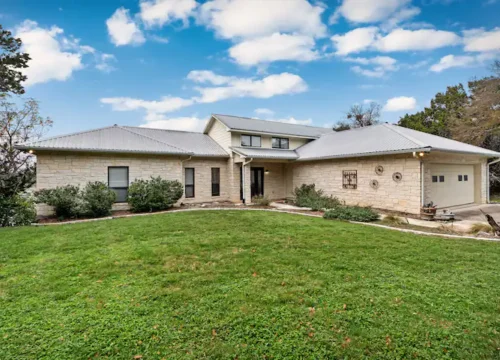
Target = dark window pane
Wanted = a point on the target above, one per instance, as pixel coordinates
(215, 181)
(189, 191)
(276, 143)
(256, 141)
(118, 177)
(459, 177)
(189, 182)
(441, 178)
(466, 177)
(121, 194)
(284, 143)
(246, 140)
(189, 176)
(434, 178)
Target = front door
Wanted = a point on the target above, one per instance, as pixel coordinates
(257, 181)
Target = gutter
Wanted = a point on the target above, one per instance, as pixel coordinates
(243, 177)
(488, 178)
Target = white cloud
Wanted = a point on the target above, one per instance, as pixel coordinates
(375, 73)
(423, 39)
(275, 47)
(52, 57)
(123, 30)
(368, 11)
(159, 39)
(368, 101)
(370, 38)
(355, 40)
(160, 12)
(187, 123)
(272, 85)
(103, 62)
(479, 40)
(256, 18)
(452, 61)
(207, 76)
(165, 105)
(264, 112)
(401, 103)
(400, 16)
(292, 120)
(381, 65)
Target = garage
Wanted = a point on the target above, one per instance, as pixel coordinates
(451, 185)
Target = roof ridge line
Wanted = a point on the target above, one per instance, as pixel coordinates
(66, 135)
(159, 129)
(155, 140)
(408, 137)
(251, 118)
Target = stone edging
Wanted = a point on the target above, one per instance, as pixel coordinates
(417, 232)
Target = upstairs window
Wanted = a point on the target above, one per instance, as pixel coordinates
(118, 182)
(280, 143)
(215, 181)
(250, 140)
(189, 182)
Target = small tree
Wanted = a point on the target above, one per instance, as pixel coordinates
(18, 125)
(360, 116)
(11, 61)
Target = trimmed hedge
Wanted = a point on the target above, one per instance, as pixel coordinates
(352, 213)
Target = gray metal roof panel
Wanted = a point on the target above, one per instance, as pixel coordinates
(270, 127)
(264, 153)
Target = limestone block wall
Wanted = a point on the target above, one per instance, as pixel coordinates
(481, 182)
(58, 169)
(274, 180)
(404, 196)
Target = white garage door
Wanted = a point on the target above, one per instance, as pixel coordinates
(452, 184)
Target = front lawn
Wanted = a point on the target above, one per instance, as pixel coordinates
(246, 285)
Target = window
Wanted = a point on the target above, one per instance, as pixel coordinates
(280, 143)
(250, 140)
(350, 179)
(215, 181)
(466, 177)
(118, 182)
(189, 182)
(459, 177)
(434, 178)
(441, 178)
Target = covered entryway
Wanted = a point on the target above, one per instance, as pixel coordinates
(451, 184)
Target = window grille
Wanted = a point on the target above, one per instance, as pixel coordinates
(350, 179)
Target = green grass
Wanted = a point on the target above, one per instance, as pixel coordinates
(246, 285)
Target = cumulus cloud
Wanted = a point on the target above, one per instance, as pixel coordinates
(184, 123)
(378, 65)
(479, 40)
(161, 12)
(370, 38)
(264, 112)
(53, 55)
(368, 11)
(165, 105)
(123, 30)
(292, 120)
(207, 76)
(452, 61)
(255, 18)
(275, 47)
(401, 103)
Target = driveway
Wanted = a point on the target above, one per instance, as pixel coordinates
(473, 212)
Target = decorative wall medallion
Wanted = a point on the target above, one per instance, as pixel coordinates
(379, 169)
(374, 184)
(397, 177)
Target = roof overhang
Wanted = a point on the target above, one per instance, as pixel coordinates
(356, 155)
(277, 153)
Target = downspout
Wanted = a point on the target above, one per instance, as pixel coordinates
(422, 183)
(243, 178)
(182, 169)
(488, 179)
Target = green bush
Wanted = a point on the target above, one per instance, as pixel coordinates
(66, 200)
(307, 196)
(261, 200)
(16, 211)
(98, 199)
(352, 213)
(155, 194)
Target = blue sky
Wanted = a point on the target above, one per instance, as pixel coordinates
(171, 63)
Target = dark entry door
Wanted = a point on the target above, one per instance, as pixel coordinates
(257, 181)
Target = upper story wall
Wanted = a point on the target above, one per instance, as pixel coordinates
(266, 140)
(219, 133)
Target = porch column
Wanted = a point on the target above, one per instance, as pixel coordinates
(247, 185)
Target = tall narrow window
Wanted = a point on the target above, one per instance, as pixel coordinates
(189, 182)
(215, 181)
(118, 182)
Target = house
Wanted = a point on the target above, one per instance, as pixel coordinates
(236, 158)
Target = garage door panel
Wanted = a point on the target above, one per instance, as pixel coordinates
(451, 184)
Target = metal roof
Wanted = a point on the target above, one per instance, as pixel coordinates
(127, 139)
(264, 153)
(379, 140)
(269, 127)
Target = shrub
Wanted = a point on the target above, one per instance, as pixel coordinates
(261, 200)
(98, 199)
(393, 220)
(155, 194)
(307, 196)
(352, 213)
(16, 211)
(480, 227)
(66, 200)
